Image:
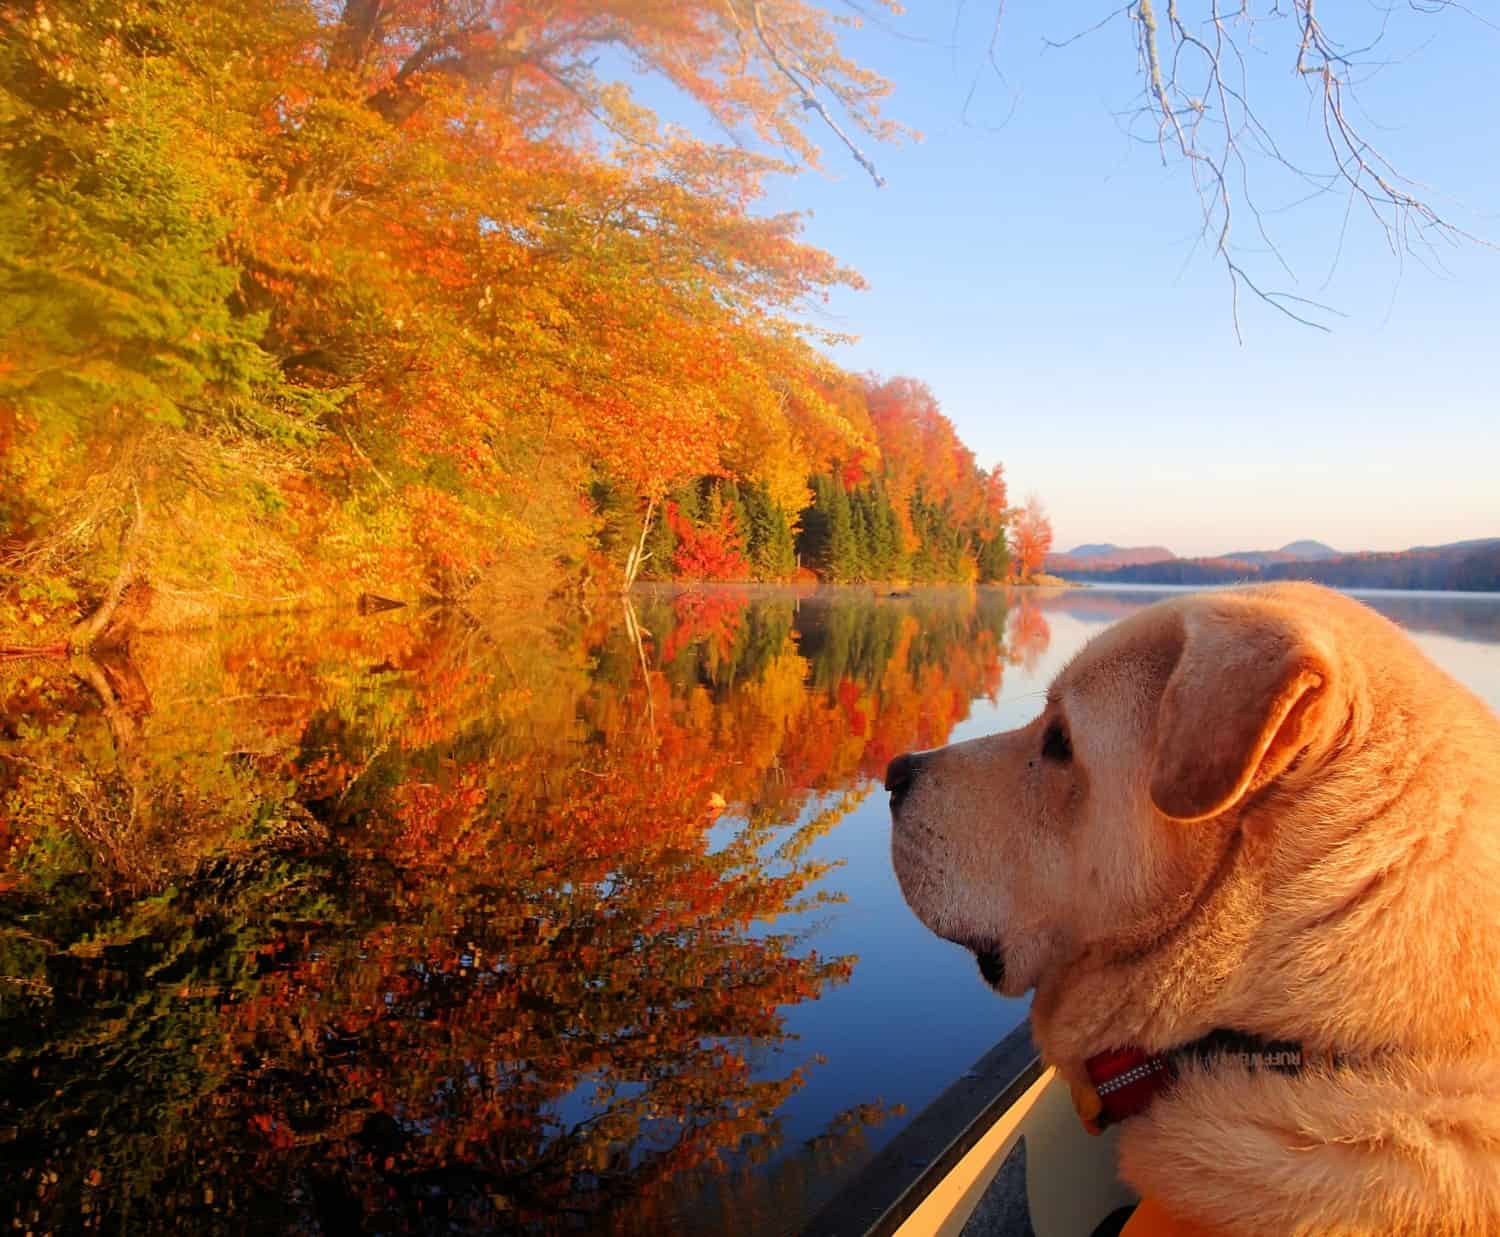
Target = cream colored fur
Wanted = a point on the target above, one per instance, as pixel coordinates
(1280, 818)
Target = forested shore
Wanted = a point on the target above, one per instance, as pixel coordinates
(1463, 566)
(300, 302)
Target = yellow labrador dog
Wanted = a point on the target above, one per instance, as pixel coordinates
(1258, 813)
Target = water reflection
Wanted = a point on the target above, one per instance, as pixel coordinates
(513, 922)
(1466, 616)
(408, 924)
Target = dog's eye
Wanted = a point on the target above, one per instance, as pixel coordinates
(1055, 745)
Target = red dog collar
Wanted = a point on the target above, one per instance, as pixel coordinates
(1126, 1080)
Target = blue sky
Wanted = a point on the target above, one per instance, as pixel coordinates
(1038, 269)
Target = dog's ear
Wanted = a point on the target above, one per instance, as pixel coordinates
(1238, 708)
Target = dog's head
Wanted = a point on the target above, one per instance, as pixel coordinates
(1092, 828)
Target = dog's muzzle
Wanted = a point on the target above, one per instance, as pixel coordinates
(901, 776)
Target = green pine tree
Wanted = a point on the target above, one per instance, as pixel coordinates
(843, 552)
(886, 536)
(863, 566)
(661, 546)
(732, 497)
(769, 542)
(994, 559)
(814, 536)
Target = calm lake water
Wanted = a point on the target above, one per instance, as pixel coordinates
(501, 923)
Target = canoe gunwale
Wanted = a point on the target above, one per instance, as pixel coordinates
(878, 1199)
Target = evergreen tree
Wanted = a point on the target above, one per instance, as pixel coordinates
(994, 559)
(863, 565)
(843, 553)
(711, 506)
(768, 543)
(813, 538)
(690, 504)
(733, 498)
(886, 535)
(769, 549)
(924, 565)
(857, 535)
(661, 546)
(782, 556)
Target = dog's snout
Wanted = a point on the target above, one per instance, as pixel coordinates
(900, 774)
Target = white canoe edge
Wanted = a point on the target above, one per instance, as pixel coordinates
(1070, 1174)
(931, 1178)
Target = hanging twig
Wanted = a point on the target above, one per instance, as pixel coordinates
(1194, 65)
(809, 100)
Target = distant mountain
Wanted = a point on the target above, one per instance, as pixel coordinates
(1255, 558)
(1472, 566)
(1293, 552)
(1105, 555)
(1464, 565)
(1309, 551)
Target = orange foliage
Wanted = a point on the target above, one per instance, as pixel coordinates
(922, 455)
(456, 923)
(1032, 538)
(1028, 636)
(713, 552)
(445, 272)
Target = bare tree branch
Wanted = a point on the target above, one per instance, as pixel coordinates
(1197, 102)
(804, 88)
(992, 60)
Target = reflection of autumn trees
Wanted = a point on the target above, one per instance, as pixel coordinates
(519, 951)
(405, 926)
(1028, 636)
(752, 1197)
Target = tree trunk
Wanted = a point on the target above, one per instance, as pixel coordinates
(88, 630)
(638, 552)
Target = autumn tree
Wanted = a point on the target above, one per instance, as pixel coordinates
(951, 512)
(306, 298)
(1032, 537)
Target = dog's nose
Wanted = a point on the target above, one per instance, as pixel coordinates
(901, 772)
